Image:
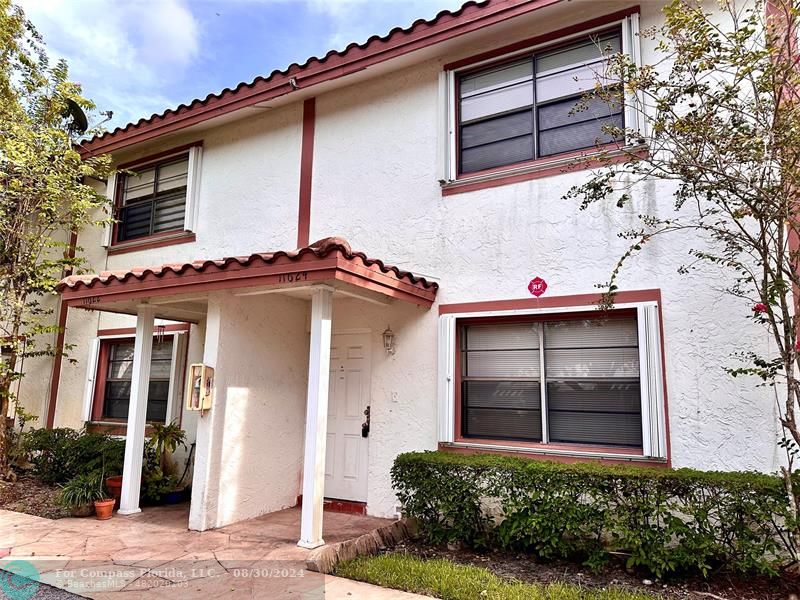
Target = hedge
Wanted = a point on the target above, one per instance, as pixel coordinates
(663, 521)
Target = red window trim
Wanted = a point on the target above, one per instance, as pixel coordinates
(537, 168)
(551, 451)
(157, 240)
(125, 335)
(588, 158)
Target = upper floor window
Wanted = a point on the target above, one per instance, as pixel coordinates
(154, 199)
(527, 108)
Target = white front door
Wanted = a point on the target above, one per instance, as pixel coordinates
(346, 450)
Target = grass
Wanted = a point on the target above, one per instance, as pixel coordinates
(450, 581)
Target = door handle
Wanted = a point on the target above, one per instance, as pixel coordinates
(365, 424)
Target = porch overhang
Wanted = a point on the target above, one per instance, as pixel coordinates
(179, 290)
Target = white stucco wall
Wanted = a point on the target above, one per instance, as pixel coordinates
(486, 245)
(249, 444)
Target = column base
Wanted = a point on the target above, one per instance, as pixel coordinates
(130, 511)
(311, 545)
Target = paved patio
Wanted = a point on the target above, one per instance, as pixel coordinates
(153, 554)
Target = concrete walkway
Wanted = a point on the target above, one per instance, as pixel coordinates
(154, 555)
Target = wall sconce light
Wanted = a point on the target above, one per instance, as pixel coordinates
(388, 341)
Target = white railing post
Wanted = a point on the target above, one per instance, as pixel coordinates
(319, 358)
(137, 411)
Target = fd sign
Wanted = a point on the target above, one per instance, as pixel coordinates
(537, 286)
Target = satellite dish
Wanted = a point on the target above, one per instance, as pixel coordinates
(79, 122)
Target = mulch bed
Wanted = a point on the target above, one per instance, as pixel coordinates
(526, 568)
(30, 496)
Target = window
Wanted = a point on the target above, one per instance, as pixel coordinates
(116, 384)
(526, 108)
(153, 199)
(582, 373)
(564, 379)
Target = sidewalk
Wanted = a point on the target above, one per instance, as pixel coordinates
(153, 555)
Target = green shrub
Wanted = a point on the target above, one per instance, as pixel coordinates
(49, 451)
(665, 521)
(60, 454)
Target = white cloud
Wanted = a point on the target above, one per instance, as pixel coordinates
(346, 16)
(123, 52)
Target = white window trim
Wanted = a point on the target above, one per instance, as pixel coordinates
(108, 227)
(654, 442)
(175, 393)
(193, 188)
(448, 127)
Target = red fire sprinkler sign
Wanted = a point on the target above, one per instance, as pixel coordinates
(537, 286)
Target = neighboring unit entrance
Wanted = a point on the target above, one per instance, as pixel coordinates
(347, 449)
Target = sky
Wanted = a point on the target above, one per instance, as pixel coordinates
(139, 57)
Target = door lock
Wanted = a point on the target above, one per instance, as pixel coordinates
(365, 424)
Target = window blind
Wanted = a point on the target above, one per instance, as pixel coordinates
(154, 200)
(501, 382)
(118, 380)
(528, 108)
(590, 368)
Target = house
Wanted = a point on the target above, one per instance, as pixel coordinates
(349, 244)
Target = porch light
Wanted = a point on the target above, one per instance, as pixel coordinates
(388, 341)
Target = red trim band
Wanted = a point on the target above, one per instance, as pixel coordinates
(55, 374)
(306, 171)
(153, 241)
(131, 331)
(576, 300)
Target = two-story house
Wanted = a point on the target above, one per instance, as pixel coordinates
(256, 229)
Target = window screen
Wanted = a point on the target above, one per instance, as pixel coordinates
(501, 382)
(528, 108)
(154, 199)
(118, 380)
(591, 372)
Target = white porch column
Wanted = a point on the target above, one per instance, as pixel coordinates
(319, 358)
(137, 411)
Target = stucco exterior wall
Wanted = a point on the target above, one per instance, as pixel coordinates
(486, 245)
(375, 182)
(250, 444)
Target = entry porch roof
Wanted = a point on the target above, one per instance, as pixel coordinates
(181, 289)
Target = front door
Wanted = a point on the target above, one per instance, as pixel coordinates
(349, 397)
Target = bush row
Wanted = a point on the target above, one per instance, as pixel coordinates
(664, 521)
(61, 454)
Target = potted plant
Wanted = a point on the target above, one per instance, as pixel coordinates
(81, 492)
(165, 439)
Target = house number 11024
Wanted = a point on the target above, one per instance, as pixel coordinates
(293, 277)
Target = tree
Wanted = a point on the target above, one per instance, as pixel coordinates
(43, 195)
(721, 121)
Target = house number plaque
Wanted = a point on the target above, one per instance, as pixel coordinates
(293, 277)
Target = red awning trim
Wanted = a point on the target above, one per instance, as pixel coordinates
(327, 259)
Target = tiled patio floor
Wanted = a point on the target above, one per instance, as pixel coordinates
(153, 554)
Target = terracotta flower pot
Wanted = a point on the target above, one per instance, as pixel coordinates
(114, 487)
(104, 508)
